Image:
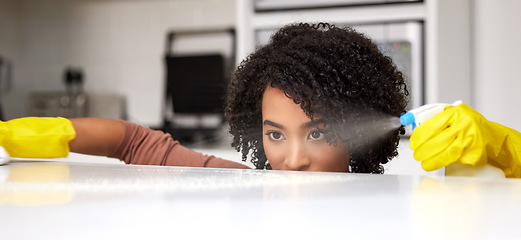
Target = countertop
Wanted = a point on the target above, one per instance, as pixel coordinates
(72, 200)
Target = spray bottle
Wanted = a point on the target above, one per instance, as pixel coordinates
(4, 156)
(417, 116)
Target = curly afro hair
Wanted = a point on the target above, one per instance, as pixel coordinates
(334, 74)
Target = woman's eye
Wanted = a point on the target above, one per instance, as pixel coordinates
(316, 135)
(275, 136)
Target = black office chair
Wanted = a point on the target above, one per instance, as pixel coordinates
(195, 86)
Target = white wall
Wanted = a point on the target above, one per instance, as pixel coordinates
(119, 44)
(9, 39)
(9, 25)
(497, 61)
(448, 51)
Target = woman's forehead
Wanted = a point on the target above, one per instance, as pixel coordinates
(278, 107)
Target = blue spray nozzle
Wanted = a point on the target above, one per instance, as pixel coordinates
(408, 118)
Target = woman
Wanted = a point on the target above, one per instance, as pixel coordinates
(335, 75)
(294, 104)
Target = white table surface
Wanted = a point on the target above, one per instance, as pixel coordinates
(70, 200)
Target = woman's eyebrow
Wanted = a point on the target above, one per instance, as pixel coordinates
(268, 122)
(312, 123)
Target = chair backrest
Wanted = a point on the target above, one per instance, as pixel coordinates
(196, 84)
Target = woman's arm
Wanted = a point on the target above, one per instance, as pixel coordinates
(35, 137)
(96, 136)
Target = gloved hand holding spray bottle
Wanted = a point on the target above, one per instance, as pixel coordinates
(457, 137)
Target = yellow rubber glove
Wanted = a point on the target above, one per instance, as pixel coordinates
(34, 137)
(461, 135)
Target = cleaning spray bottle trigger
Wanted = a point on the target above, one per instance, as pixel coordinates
(417, 116)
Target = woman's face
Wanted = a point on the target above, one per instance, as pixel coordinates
(293, 142)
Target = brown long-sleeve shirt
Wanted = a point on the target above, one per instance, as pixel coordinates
(144, 146)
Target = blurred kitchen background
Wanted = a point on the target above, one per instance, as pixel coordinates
(146, 60)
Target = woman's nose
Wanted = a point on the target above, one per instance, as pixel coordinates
(297, 158)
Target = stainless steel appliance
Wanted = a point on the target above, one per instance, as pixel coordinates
(402, 41)
(277, 5)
